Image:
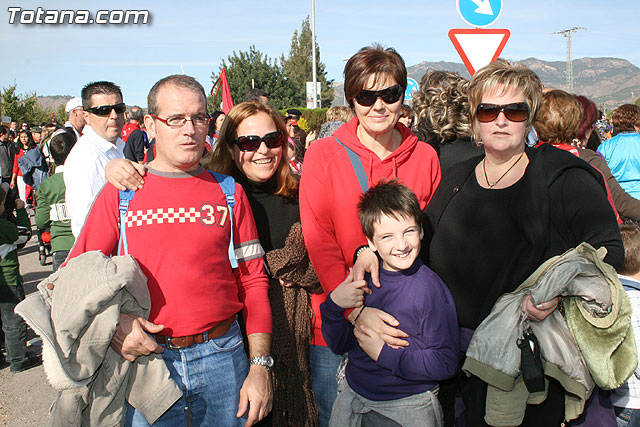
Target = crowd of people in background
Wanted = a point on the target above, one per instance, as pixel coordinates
(361, 272)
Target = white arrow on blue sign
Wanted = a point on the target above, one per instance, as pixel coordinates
(479, 13)
(412, 86)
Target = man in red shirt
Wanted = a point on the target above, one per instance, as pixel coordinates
(135, 119)
(178, 229)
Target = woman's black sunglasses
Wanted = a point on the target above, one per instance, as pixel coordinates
(252, 142)
(516, 112)
(392, 94)
(105, 110)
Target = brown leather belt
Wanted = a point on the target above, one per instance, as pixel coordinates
(174, 343)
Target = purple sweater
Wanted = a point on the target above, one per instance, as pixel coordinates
(423, 305)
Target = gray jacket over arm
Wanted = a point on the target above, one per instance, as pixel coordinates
(77, 320)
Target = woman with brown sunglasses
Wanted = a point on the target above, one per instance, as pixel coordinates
(497, 217)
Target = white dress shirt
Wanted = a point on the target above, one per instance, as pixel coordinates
(84, 173)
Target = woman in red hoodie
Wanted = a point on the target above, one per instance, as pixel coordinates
(338, 169)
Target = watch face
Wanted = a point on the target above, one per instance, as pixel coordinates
(266, 361)
(269, 361)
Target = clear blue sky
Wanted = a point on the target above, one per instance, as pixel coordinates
(60, 59)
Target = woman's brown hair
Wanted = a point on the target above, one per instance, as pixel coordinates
(372, 61)
(222, 162)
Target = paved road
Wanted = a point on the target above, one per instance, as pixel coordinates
(25, 397)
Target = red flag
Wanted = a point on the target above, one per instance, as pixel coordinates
(227, 101)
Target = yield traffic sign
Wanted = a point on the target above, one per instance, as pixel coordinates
(478, 47)
(479, 13)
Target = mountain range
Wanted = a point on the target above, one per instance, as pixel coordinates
(609, 82)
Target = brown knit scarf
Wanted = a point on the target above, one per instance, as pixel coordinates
(293, 403)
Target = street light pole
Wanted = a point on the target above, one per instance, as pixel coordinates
(313, 52)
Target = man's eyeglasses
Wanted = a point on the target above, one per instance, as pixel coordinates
(392, 94)
(515, 112)
(252, 142)
(105, 110)
(177, 122)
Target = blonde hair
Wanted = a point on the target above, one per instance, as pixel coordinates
(503, 76)
(339, 113)
(442, 107)
(221, 160)
(559, 117)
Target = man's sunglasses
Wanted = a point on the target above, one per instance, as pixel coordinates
(252, 142)
(515, 112)
(105, 110)
(392, 94)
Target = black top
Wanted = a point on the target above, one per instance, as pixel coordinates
(477, 222)
(134, 148)
(456, 151)
(274, 215)
(487, 242)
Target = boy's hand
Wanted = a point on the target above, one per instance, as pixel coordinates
(350, 293)
(369, 341)
(368, 262)
(19, 204)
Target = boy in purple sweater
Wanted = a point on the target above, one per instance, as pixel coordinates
(385, 385)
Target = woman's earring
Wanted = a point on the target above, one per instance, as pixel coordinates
(477, 142)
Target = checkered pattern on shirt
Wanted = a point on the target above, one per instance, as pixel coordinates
(162, 215)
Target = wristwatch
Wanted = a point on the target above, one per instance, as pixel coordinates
(265, 360)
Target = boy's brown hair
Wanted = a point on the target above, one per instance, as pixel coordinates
(387, 198)
(630, 233)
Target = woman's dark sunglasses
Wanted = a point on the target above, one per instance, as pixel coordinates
(392, 94)
(252, 142)
(105, 110)
(515, 112)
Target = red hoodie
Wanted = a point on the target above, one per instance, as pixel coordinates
(329, 194)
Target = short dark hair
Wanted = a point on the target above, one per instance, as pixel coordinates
(61, 144)
(372, 61)
(630, 233)
(390, 198)
(97, 88)
(135, 113)
(254, 94)
(3, 130)
(179, 80)
(214, 117)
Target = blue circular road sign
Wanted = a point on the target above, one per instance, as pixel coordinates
(479, 13)
(412, 86)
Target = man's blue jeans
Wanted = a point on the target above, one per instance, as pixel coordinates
(626, 417)
(210, 376)
(324, 366)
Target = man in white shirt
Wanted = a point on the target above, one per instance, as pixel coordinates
(100, 143)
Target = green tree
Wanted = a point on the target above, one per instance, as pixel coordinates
(23, 107)
(298, 67)
(243, 67)
(60, 114)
